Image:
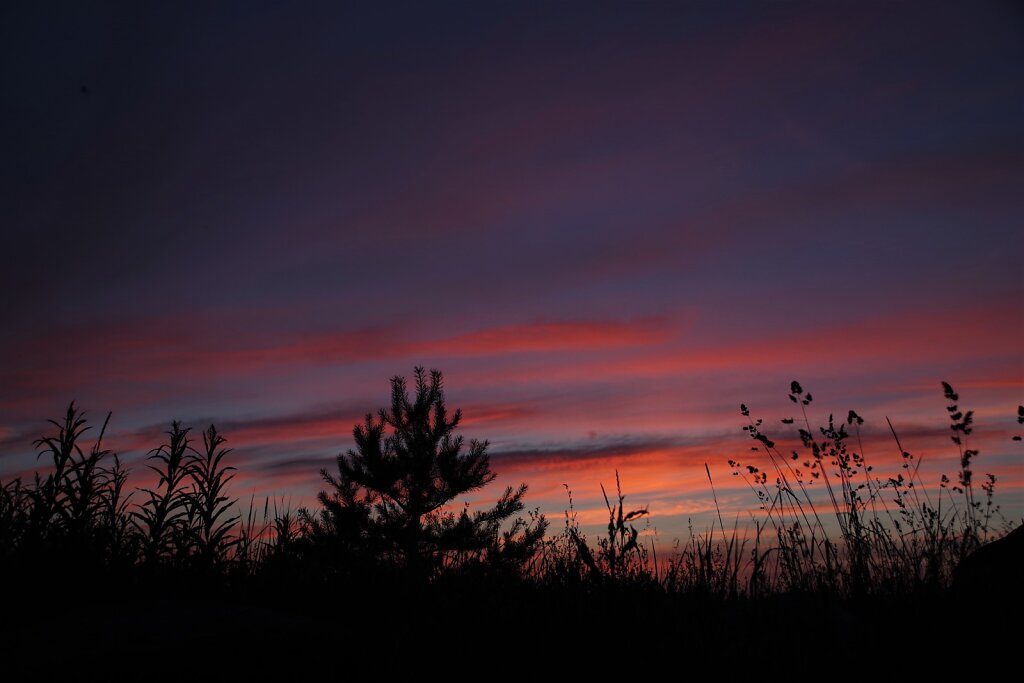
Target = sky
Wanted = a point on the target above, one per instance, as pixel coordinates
(607, 224)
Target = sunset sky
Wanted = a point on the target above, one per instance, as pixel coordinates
(607, 224)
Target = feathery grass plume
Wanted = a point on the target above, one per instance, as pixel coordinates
(894, 535)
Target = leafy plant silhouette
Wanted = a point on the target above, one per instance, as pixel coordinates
(162, 521)
(79, 506)
(208, 503)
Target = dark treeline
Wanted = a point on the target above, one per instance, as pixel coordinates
(389, 556)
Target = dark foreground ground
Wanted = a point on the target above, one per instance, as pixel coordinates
(359, 632)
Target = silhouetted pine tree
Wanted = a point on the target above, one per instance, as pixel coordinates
(390, 491)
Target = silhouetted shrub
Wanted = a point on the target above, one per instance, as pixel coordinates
(390, 495)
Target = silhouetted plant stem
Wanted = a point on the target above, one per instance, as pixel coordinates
(160, 520)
